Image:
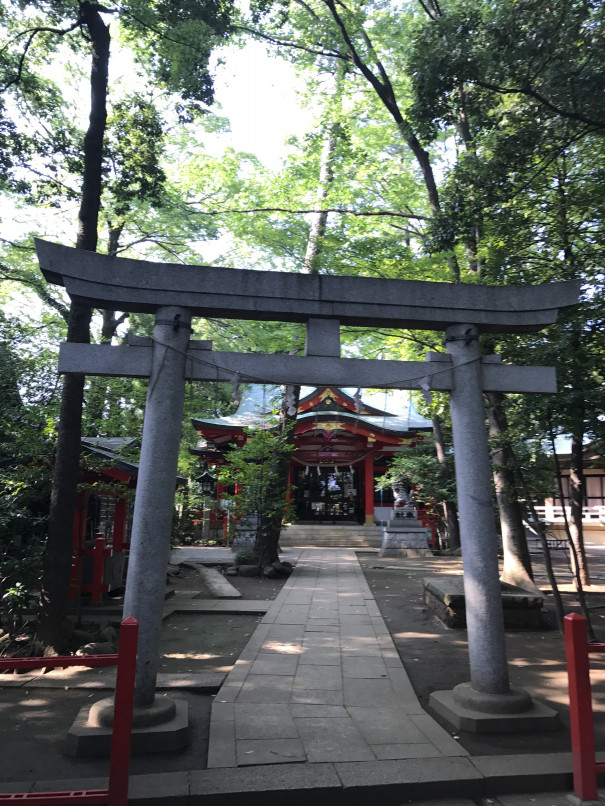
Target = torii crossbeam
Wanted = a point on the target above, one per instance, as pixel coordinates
(175, 293)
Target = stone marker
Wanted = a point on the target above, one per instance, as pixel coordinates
(404, 535)
(444, 596)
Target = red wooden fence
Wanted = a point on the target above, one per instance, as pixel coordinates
(585, 765)
(117, 792)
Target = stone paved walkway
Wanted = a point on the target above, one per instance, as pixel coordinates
(321, 680)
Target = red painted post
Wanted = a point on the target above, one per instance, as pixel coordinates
(368, 468)
(580, 708)
(122, 719)
(99, 552)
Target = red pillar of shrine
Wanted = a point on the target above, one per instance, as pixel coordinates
(368, 468)
(79, 541)
(119, 525)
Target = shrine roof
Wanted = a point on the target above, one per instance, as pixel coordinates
(110, 448)
(336, 399)
(255, 411)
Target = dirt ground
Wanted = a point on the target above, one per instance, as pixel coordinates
(210, 643)
(436, 657)
(34, 721)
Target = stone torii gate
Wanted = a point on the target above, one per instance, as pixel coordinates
(175, 293)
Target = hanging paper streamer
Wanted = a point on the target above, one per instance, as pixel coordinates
(235, 390)
(307, 470)
(290, 402)
(357, 399)
(425, 385)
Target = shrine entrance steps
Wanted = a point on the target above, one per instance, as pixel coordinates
(331, 535)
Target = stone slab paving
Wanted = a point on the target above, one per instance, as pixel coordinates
(321, 681)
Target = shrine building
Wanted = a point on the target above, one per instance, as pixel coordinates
(342, 444)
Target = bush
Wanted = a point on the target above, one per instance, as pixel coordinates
(247, 557)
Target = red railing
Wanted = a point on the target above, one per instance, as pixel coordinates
(585, 765)
(117, 792)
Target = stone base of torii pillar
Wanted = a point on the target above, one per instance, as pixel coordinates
(162, 726)
(516, 712)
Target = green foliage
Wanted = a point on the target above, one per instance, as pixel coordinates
(28, 401)
(189, 503)
(176, 40)
(13, 603)
(550, 54)
(24, 495)
(246, 557)
(250, 469)
(135, 145)
(419, 465)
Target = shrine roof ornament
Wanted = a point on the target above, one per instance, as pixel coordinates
(143, 286)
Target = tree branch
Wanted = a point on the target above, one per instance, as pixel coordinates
(387, 95)
(39, 286)
(313, 210)
(17, 245)
(33, 32)
(531, 93)
(333, 54)
(307, 8)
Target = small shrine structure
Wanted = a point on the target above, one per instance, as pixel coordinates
(341, 446)
(102, 516)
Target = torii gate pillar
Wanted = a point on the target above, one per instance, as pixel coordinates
(154, 502)
(489, 688)
(150, 538)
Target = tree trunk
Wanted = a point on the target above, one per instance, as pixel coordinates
(54, 599)
(267, 540)
(576, 474)
(96, 398)
(576, 501)
(578, 558)
(269, 527)
(449, 507)
(516, 568)
(320, 218)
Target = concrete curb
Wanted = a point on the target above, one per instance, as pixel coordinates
(219, 587)
(201, 682)
(339, 784)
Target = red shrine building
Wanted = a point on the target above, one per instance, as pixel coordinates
(342, 444)
(102, 518)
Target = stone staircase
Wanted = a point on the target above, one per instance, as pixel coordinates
(328, 535)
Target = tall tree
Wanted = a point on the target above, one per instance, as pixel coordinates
(181, 65)
(58, 554)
